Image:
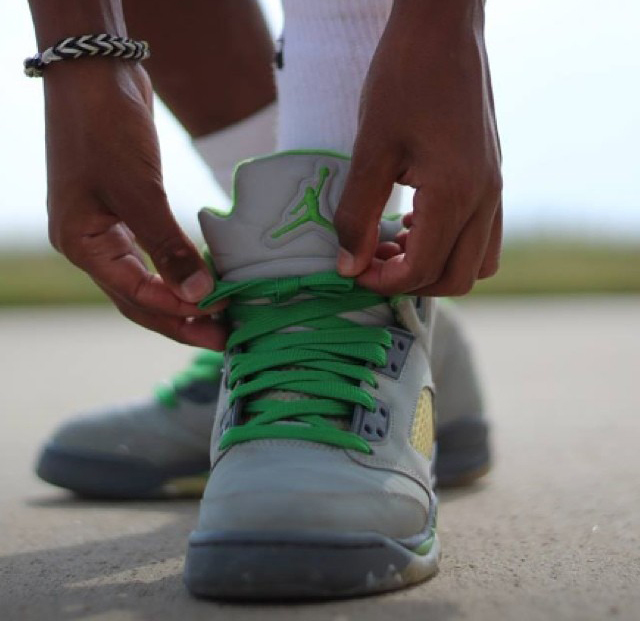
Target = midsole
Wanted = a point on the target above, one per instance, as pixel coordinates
(310, 539)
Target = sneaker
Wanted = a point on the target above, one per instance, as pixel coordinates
(160, 447)
(321, 481)
(462, 430)
(157, 447)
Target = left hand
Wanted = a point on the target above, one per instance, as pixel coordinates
(426, 120)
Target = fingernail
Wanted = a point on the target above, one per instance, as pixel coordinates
(195, 287)
(346, 263)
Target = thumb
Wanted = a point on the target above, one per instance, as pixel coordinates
(175, 256)
(366, 192)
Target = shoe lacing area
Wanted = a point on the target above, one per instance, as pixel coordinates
(291, 342)
(206, 366)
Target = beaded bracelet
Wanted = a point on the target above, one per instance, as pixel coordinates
(87, 45)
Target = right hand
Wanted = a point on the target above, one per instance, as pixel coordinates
(106, 197)
(437, 134)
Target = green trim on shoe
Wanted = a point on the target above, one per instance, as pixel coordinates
(207, 365)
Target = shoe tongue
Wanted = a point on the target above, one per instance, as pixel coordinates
(281, 223)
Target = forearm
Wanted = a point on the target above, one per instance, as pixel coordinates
(56, 19)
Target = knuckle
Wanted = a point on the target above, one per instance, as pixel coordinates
(168, 249)
(54, 237)
(463, 285)
(411, 282)
(125, 310)
(458, 286)
(425, 280)
(126, 313)
(449, 202)
(466, 286)
(490, 268)
(425, 275)
(56, 233)
(139, 293)
(67, 246)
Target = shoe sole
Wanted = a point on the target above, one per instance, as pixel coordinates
(118, 477)
(303, 566)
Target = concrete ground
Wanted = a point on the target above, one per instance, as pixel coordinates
(553, 532)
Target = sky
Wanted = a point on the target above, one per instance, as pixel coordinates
(567, 85)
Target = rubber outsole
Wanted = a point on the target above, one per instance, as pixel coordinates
(117, 477)
(301, 566)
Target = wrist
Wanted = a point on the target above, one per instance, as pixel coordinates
(54, 20)
(88, 83)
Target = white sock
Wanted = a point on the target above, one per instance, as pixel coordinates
(224, 149)
(328, 46)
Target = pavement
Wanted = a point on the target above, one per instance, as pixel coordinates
(552, 533)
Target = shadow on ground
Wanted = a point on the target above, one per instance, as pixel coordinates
(139, 576)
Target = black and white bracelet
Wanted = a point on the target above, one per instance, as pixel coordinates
(87, 45)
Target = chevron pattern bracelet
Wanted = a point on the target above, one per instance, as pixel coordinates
(87, 45)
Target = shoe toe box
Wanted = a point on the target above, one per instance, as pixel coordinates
(285, 485)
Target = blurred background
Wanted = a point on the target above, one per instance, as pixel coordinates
(568, 99)
(554, 530)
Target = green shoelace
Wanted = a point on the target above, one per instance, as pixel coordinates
(318, 368)
(206, 366)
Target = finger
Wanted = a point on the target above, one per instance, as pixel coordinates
(174, 255)
(134, 245)
(401, 239)
(491, 260)
(427, 245)
(202, 332)
(357, 218)
(112, 260)
(463, 265)
(382, 275)
(386, 250)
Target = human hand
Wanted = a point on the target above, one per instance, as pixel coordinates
(106, 199)
(426, 120)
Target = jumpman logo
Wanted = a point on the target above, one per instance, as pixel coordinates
(310, 200)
